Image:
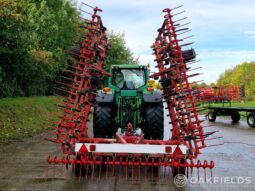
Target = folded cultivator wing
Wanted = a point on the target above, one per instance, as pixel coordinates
(130, 152)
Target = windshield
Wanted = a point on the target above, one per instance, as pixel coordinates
(128, 78)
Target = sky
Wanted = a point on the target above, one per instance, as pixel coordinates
(224, 30)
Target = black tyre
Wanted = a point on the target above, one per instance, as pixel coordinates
(154, 122)
(212, 116)
(235, 116)
(103, 125)
(251, 120)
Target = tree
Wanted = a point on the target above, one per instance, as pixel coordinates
(34, 36)
(118, 52)
(241, 74)
(14, 54)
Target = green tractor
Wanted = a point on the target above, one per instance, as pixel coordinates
(129, 100)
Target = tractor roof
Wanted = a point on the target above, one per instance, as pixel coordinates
(129, 66)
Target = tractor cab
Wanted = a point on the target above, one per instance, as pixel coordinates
(129, 100)
(129, 79)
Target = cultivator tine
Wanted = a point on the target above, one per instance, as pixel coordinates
(120, 166)
(93, 167)
(215, 145)
(86, 12)
(107, 166)
(186, 31)
(177, 13)
(87, 5)
(64, 84)
(182, 19)
(127, 173)
(194, 69)
(187, 44)
(177, 7)
(182, 25)
(199, 164)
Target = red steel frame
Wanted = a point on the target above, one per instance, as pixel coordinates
(186, 127)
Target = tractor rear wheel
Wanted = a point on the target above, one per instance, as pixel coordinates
(103, 125)
(154, 122)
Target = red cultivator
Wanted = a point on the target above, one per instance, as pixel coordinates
(130, 152)
(221, 93)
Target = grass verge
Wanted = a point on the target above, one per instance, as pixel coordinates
(24, 117)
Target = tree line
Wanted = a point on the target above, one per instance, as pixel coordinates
(35, 37)
(242, 74)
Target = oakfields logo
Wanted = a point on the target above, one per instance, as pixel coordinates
(181, 180)
(220, 180)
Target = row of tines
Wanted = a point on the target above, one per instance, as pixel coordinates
(99, 166)
(173, 65)
(78, 85)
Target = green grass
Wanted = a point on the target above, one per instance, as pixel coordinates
(24, 117)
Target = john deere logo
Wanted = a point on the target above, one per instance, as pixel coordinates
(180, 180)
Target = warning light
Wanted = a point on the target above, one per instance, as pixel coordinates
(106, 89)
(150, 89)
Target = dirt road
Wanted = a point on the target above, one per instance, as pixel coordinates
(23, 166)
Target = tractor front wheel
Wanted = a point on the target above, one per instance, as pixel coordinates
(154, 122)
